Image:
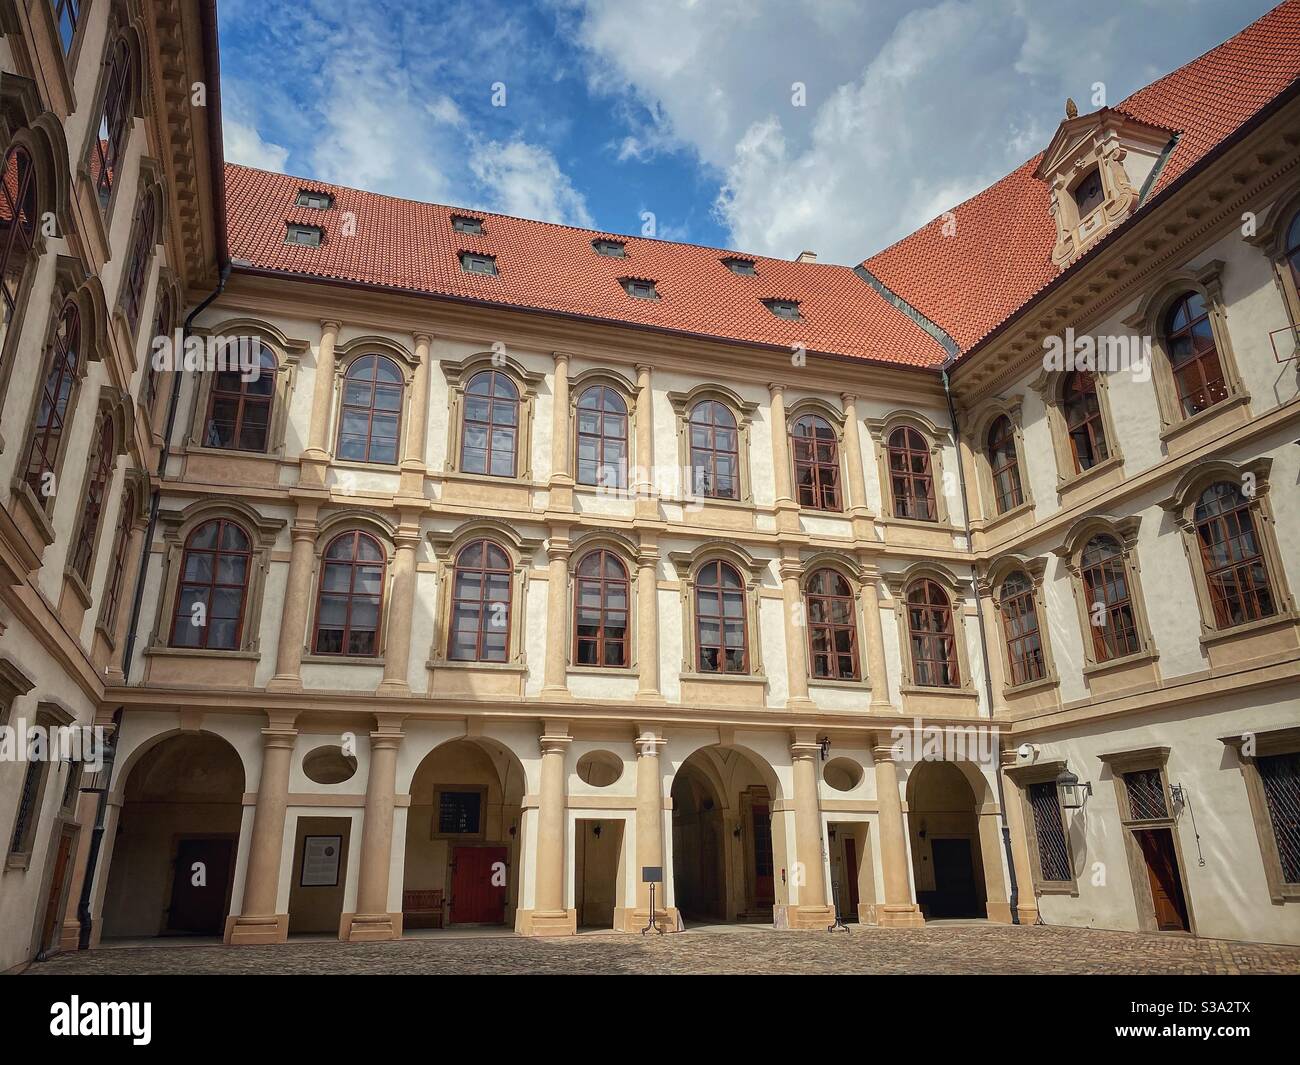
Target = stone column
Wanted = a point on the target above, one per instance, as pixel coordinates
(550, 917)
(133, 547)
(413, 467)
(787, 510)
(1014, 811)
(644, 486)
(555, 678)
(297, 601)
(647, 622)
(796, 634)
(812, 909)
(997, 648)
(877, 671)
(561, 482)
(373, 920)
(855, 496)
(316, 456)
(898, 911)
(401, 607)
(258, 921)
(650, 831)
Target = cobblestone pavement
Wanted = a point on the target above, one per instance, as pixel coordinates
(961, 949)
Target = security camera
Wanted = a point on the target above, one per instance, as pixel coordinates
(1027, 752)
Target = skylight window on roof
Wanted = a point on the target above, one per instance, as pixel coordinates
(614, 249)
(639, 288)
(464, 224)
(784, 309)
(743, 267)
(310, 236)
(319, 201)
(476, 263)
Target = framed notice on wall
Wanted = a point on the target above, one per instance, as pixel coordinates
(320, 861)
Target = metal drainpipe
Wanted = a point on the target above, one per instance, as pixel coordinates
(106, 776)
(984, 654)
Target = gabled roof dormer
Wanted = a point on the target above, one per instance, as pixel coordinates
(1096, 166)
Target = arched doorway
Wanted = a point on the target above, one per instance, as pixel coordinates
(725, 839)
(944, 823)
(462, 837)
(173, 865)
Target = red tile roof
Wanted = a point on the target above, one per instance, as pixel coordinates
(546, 267)
(1001, 254)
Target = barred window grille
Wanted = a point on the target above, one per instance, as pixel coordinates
(25, 825)
(1053, 854)
(1146, 795)
(1280, 775)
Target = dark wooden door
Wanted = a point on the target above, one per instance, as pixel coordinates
(851, 868)
(1166, 883)
(475, 898)
(761, 819)
(51, 924)
(954, 879)
(200, 909)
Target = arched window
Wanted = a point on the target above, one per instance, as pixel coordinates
(1109, 601)
(137, 271)
(1198, 373)
(715, 450)
(480, 609)
(62, 369)
(910, 476)
(933, 642)
(351, 596)
(1292, 251)
(101, 474)
(1089, 193)
(162, 327)
(602, 438)
(213, 587)
(117, 565)
(721, 635)
(114, 121)
(371, 416)
(19, 210)
(1235, 570)
(816, 463)
(1020, 621)
(832, 626)
(1004, 465)
(600, 610)
(1083, 423)
(489, 439)
(239, 407)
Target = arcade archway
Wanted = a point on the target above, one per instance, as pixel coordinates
(947, 857)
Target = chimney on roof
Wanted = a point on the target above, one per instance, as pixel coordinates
(807, 257)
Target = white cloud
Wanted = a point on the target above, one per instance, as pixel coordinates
(525, 180)
(245, 145)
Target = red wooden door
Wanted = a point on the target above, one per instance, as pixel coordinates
(1166, 883)
(764, 889)
(851, 866)
(478, 885)
(51, 924)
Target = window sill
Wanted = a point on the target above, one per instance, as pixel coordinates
(725, 678)
(487, 478)
(233, 452)
(79, 588)
(862, 685)
(919, 523)
(162, 650)
(602, 671)
(343, 660)
(998, 520)
(18, 861)
(1095, 668)
(356, 464)
(487, 667)
(1280, 620)
(1064, 484)
(1049, 681)
(1057, 888)
(1209, 415)
(923, 689)
(20, 490)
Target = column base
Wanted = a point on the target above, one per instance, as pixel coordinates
(800, 702)
(546, 922)
(808, 918)
(883, 708)
(900, 915)
(247, 931)
(312, 466)
(651, 696)
(70, 935)
(635, 920)
(370, 927)
(1027, 914)
(393, 687)
(556, 692)
(284, 684)
(998, 912)
(867, 913)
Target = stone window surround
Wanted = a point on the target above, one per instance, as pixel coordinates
(958, 603)
(49, 714)
(458, 376)
(836, 419)
(344, 356)
(627, 553)
(976, 441)
(1284, 740)
(106, 626)
(687, 565)
(1270, 237)
(743, 411)
(1041, 773)
(937, 437)
(1035, 569)
(627, 391)
(1048, 385)
(1125, 532)
(136, 110)
(288, 355)
(177, 525)
(854, 574)
(13, 683)
(150, 187)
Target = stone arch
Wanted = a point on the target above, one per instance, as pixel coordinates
(944, 800)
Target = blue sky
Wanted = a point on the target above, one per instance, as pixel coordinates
(689, 111)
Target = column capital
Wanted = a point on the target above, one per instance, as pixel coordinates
(561, 358)
(281, 737)
(330, 325)
(802, 749)
(848, 398)
(790, 569)
(643, 368)
(386, 741)
(649, 744)
(884, 748)
(647, 557)
(422, 338)
(303, 529)
(776, 388)
(553, 744)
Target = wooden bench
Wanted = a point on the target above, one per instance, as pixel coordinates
(422, 909)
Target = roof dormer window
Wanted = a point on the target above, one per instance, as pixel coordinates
(465, 224)
(784, 309)
(317, 201)
(309, 236)
(743, 267)
(1089, 193)
(612, 249)
(473, 262)
(639, 288)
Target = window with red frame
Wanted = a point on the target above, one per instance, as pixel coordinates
(933, 643)
(19, 210)
(715, 450)
(910, 476)
(601, 592)
(370, 420)
(816, 463)
(350, 600)
(1292, 252)
(213, 587)
(1082, 411)
(1004, 465)
(114, 121)
(62, 378)
(481, 604)
(721, 632)
(117, 565)
(101, 474)
(1235, 569)
(1025, 657)
(137, 274)
(489, 438)
(602, 438)
(239, 407)
(832, 626)
(1109, 602)
(1198, 372)
(162, 327)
